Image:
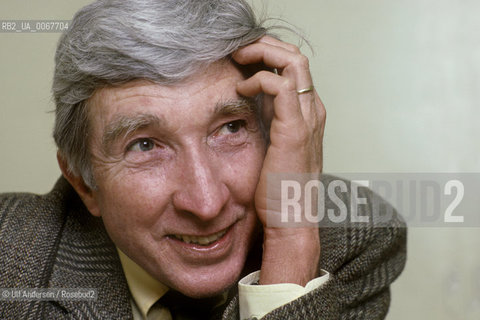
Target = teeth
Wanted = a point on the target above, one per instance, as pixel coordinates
(201, 240)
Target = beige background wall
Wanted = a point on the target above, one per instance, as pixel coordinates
(401, 83)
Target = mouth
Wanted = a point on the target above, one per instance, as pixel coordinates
(201, 240)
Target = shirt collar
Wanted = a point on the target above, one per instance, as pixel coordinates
(145, 289)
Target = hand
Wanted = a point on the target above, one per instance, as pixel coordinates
(296, 134)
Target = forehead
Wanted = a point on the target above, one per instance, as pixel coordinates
(200, 92)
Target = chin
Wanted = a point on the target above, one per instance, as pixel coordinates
(208, 283)
(206, 292)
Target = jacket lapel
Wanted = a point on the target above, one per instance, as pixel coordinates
(87, 258)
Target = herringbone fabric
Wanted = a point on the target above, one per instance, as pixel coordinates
(52, 241)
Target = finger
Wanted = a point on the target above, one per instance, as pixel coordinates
(271, 55)
(293, 64)
(278, 43)
(286, 104)
(267, 111)
(321, 114)
(321, 111)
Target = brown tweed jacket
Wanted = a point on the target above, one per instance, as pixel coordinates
(52, 241)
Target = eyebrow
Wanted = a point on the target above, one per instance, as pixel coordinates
(235, 107)
(122, 126)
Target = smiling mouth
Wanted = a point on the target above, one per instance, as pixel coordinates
(201, 240)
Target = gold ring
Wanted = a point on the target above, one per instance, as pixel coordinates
(305, 90)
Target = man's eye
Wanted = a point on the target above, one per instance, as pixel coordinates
(143, 145)
(233, 127)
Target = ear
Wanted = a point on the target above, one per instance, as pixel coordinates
(88, 196)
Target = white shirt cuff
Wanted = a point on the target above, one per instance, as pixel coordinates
(258, 300)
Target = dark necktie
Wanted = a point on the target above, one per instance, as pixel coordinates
(185, 308)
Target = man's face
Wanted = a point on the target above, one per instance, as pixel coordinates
(176, 169)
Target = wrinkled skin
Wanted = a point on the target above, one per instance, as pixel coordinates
(174, 163)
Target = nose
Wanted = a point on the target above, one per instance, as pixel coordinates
(201, 191)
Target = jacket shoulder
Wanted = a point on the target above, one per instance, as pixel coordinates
(29, 229)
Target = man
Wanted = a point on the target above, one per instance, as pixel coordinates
(170, 118)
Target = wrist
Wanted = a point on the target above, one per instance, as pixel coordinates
(290, 255)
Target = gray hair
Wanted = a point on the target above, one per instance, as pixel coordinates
(111, 42)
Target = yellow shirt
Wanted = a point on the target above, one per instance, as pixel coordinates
(145, 290)
(255, 300)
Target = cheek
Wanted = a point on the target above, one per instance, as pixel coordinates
(242, 171)
(130, 213)
(132, 200)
